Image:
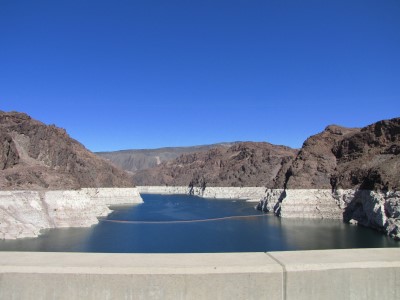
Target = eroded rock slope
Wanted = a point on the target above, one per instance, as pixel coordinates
(36, 156)
(348, 158)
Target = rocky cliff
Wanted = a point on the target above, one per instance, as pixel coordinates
(348, 158)
(36, 156)
(243, 164)
(315, 163)
(351, 174)
(369, 159)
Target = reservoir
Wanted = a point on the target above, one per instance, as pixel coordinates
(181, 223)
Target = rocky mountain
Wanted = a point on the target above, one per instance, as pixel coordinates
(140, 159)
(348, 158)
(369, 159)
(242, 164)
(315, 163)
(36, 156)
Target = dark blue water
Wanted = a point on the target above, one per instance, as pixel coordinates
(258, 232)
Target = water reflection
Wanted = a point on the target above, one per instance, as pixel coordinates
(303, 234)
(63, 239)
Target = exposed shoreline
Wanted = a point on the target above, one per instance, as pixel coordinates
(253, 194)
(25, 213)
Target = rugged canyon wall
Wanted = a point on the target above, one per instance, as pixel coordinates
(49, 180)
(345, 173)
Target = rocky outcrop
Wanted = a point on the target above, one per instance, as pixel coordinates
(375, 209)
(315, 163)
(25, 213)
(369, 159)
(8, 152)
(379, 210)
(366, 158)
(241, 165)
(35, 156)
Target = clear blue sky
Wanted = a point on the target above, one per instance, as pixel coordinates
(146, 74)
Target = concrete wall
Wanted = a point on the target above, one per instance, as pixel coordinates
(328, 274)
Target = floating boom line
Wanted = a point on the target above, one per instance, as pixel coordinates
(182, 221)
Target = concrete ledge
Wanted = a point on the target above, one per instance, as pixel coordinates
(341, 274)
(327, 274)
(138, 276)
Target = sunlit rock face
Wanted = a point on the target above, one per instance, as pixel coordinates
(35, 156)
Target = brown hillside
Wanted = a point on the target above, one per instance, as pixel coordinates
(36, 156)
(243, 164)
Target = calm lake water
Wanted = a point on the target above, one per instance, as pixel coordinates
(156, 227)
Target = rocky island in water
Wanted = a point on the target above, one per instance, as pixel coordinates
(49, 180)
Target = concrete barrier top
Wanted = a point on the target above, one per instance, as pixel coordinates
(322, 274)
(332, 259)
(127, 263)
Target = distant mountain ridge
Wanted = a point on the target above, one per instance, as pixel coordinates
(242, 164)
(133, 160)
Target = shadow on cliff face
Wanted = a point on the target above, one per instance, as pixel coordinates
(366, 209)
(277, 207)
(355, 211)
